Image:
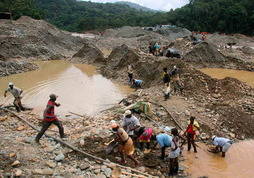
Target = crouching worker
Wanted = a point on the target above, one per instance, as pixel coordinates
(144, 137)
(136, 83)
(126, 147)
(164, 140)
(174, 153)
(50, 118)
(222, 144)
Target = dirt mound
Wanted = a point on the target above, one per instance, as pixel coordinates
(14, 67)
(134, 37)
(174, 33)
(247, 50)
(31, 38)
(235, 120)
(88, 53)
(204, 52)
(126, 32)
(122, 56)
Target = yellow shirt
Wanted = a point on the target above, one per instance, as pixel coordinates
(196, 125)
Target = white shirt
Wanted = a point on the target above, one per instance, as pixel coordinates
(16, 92)
(130, 123)
(220, 141)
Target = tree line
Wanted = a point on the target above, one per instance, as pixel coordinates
(226, 16)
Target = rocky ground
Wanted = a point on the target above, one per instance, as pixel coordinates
(15, 67)
(27, 39)
(19, 155)
(223, 107)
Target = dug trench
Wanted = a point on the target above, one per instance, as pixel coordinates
(149, 162)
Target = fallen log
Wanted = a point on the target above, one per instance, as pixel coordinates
(75, 148)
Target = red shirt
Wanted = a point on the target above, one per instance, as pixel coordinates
(190, 129)
(49, 113)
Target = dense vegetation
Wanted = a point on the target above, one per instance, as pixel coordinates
(136, 6)
(80, 15)
(229, 16)
(21, 7)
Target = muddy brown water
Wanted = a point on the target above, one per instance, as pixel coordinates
(219, 73)
(79, 87)
(238, 162)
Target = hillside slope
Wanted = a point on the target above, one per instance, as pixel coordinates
(136, 6)
(30, 38)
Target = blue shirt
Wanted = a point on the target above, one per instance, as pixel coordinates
(138, 82)
(220, 141)
(164, 140)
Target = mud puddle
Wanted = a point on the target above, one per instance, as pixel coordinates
(244, 76)
(79, 87)
(238, 162)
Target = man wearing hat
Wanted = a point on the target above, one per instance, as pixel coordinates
(50, 118)
(126, 147)
(130, 123)
(16, 92)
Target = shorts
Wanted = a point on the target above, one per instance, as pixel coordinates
(175, 154)
(226, 147)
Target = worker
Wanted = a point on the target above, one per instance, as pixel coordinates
(157, 48)
(144, 137)
(151, 48)
(136, 83)
(222, 144)
(191, 132)
(130, 123)
(166, 77)
(174, 153)
(203, 37)
(164, 140)
(16, 92)
(126, 147)
(174, 74)
(50, 118)
(167, 91)
(130, 73)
